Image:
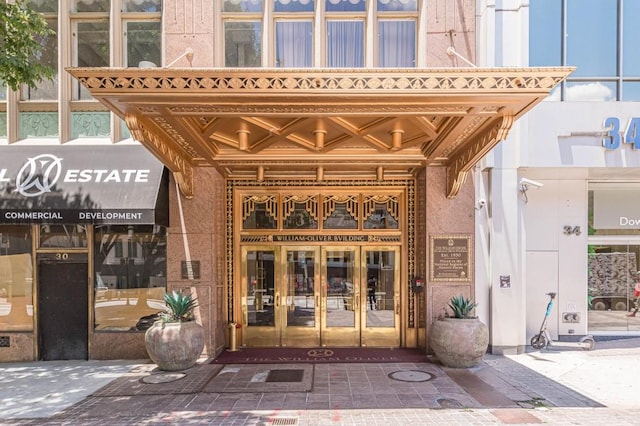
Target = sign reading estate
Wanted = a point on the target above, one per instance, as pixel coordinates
(450, 257)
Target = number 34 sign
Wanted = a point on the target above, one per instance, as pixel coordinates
(614, 136)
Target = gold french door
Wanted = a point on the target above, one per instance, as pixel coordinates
(310, 296)
(280, 296)
(360, 301)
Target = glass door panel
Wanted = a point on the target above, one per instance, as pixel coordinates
(340, 319)
(381, 301)
(259, 297)
(301, 297)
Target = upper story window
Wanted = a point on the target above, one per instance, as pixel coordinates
(243, 33)
(46, 89)
(597, 37)
(320, 33)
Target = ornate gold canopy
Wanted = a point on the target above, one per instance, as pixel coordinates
(319, 123)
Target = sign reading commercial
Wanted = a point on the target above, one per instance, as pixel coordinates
(450, 258)
(79, 184)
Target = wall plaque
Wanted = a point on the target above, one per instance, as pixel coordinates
(190, 270)
(450, 258)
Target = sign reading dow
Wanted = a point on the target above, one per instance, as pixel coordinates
(450, 258)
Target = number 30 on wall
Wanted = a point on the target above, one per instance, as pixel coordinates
(613, 135)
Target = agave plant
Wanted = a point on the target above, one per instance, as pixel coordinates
(179, 307)
(461, 306)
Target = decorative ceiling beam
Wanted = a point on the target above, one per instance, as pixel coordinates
(467, 157)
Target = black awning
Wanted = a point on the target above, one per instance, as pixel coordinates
(82, 184)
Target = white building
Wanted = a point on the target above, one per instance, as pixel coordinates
(574, 231)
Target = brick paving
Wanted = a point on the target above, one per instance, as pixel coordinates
(541, 387)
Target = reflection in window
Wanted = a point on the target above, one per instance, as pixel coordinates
(91, 50)
(142, 5)
(16, 279)
(397, 5)
(45, 89)
(294, 44)
(130, 275)
(242, 6)
(259, 212)
(301, 309)
(300, 211)
(345, 6)
(397, 43)
(142, 43)
(243, 44)
(293, 6)
(345, 44)
(260, 288)
(63, 236)
(612, 274)
(342, 216)
(341, 294)
(381, 218)
(593, 36)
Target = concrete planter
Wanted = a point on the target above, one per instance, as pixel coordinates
(457, 342)
(174, 345)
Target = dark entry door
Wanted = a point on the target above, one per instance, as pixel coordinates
(63, 310)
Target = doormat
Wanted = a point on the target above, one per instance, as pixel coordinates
(319, 355)
(293, 376)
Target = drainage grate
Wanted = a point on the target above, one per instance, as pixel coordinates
(292, 376)
(284, 421)
(5, 342)
(448, 403)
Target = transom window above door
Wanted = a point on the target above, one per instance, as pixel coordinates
(320, 33)
(288, 211)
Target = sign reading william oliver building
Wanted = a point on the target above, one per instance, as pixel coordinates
(450, 257)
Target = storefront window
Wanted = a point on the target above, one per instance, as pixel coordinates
(613, 271)
(130, 276)
(613, 256)
(16, 279)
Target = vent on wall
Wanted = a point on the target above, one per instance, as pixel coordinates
(4, 342)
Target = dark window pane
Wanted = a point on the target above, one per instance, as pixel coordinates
(63, 236)
(143, 43)
(243, 44)
(142, 6)
(242, 6)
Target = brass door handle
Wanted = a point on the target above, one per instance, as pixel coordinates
(277, 300)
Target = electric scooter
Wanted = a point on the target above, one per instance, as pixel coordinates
(543, 338)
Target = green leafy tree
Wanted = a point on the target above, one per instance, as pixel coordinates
(21, 33)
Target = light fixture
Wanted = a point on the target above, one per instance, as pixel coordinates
(188, 53)
(451, 51)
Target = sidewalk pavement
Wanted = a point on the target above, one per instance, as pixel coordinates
(555, 386)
